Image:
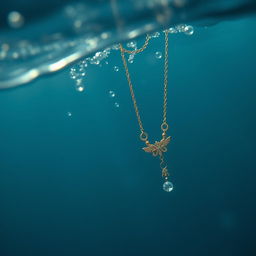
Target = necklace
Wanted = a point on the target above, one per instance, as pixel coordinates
(158, 148)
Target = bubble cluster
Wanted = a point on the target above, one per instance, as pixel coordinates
(132, 44)
(116, 68)
(155, 35)
(172, 30)
(182, 28)
(131, 56)
(78, 71)
(111, 94)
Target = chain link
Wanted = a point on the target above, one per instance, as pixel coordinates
(163, 167)
(137, 50)
(131, 91)
(164, 125)
(165, 82)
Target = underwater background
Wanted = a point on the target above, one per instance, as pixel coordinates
(73, 177)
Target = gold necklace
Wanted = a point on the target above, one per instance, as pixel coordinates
(159, 147)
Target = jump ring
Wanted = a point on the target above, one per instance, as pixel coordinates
(164, 127)
(144, 136)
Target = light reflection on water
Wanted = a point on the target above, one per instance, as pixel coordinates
(75, 30)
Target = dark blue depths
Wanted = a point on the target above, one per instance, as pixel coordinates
(81, 185)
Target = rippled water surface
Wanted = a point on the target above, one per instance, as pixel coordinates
(40, 38)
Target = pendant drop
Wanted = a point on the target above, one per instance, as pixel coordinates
(167, 186)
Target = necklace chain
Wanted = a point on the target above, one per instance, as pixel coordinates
(159, 147)
(137, 50)
(164, 125)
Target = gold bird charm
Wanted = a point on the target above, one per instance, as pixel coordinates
(159, 147)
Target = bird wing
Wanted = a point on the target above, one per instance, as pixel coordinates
(165, 142)
(149, 149)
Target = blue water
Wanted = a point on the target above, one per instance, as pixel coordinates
(81, 185)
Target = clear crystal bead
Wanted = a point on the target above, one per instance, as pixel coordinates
(167, 186)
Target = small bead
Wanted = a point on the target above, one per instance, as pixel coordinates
(165, 172)
(167, 186)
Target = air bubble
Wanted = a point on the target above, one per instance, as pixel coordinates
(116, 68)
(131, 58)
(72, 76)
(105, 35)
(117, 105)
(15, 55)
(112, 94)
(188, 30)
(158, 55)
(79, 81)
(80, 88)
(15, 19)
(69, 113)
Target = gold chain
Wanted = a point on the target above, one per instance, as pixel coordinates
(159, 147)
(137, 50)
(164, 125)
(165, 81)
